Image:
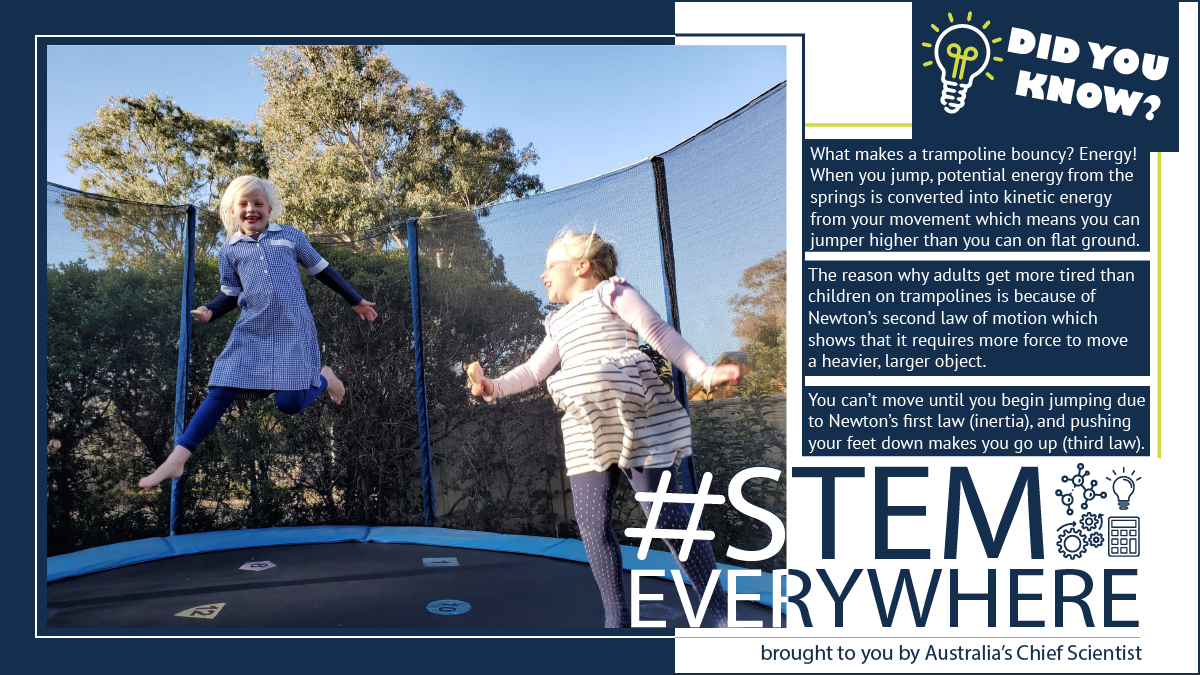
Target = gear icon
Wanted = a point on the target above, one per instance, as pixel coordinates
(1091, 521)
(1096, 540)
(1071, 543)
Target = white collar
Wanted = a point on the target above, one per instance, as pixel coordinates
(272, 227)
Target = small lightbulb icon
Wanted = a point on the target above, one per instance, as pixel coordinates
(961, 61)
(1123, 488)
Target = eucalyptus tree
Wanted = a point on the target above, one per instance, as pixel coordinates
(151, 150)
(354, 145)
(760, 320)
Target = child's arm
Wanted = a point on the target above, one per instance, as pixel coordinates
(365, 309)
(635, 311)
(226, 300)
(525, 376)
(217, 308)
(333, 280)
(319, 267)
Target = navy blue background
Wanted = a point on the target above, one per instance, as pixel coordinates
(1139, 421)
(641, 656)
(994, 114)
(994, 117)
(1129, 198)
(1123, 309)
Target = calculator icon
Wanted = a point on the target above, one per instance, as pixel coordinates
(1124, 537)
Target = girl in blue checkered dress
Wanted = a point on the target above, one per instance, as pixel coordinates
(273, 347)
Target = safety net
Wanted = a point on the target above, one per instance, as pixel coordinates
(699, 231)
(114, 280)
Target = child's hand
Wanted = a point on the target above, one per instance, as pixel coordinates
(480, 385)
(729, 373)
(201, 314)
(366, 310)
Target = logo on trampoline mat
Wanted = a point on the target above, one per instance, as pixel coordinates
(203, 611)
(257, 566)
(440, 562)
(448, 607)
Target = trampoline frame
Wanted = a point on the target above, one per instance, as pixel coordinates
(757, 588)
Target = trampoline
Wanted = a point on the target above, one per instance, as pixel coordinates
(408, 445)
(340, 577)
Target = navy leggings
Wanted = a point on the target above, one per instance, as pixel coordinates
(594, 494)
(220, 398)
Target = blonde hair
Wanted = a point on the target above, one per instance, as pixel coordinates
(241, 185)
(590, 247)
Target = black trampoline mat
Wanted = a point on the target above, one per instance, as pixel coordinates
(352, 585)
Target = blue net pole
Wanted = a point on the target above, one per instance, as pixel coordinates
(419, 361)
(185, 351)
(687, 467)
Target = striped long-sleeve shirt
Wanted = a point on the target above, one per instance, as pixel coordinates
(616, 409)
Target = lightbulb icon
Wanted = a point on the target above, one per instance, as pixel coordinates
(1123, 488)
(961, 61)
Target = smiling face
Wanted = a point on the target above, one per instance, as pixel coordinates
(252, 211)
(565, 278)
(558, 277)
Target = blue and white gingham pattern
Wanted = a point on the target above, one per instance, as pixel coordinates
(274, 343)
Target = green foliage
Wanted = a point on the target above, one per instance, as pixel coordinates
(496, 467)
(112, 365)
(763, 309)
(354, 145)
(351, 145)
(761, 322)
(359, 461)
(151, 150)
(111, 362)
(729, 435)
(125, 234)
(768, 360)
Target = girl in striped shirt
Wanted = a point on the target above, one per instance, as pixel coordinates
(619, 418)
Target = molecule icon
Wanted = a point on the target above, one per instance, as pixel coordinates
(1067, 499)
(1079, 480)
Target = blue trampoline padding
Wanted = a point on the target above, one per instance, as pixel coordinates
(572, 549)
(106, 557)
(569, 549)
(143, 550)
(486, 541)
(204, 542)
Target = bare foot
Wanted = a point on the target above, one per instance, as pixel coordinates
(335, 387)
(172, 468)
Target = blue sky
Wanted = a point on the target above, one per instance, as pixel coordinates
(587, 109)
